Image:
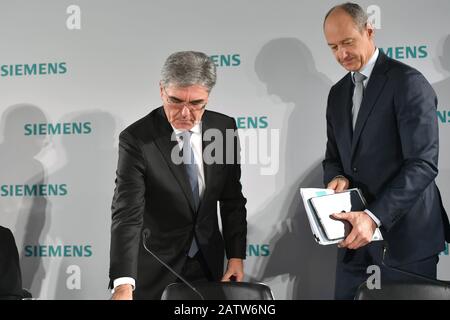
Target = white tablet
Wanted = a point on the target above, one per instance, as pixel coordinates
(324, 206)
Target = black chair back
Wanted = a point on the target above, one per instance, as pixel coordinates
(218, 291)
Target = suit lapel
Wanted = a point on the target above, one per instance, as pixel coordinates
(344, 114)
(374, 87)
(166, 145)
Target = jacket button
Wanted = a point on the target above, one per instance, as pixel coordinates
(355, 169)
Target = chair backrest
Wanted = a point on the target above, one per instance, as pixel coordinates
(218, 291)
(419, 290)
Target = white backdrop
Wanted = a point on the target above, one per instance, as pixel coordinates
(73, 74)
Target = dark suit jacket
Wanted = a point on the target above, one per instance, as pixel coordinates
(10, 275)
(153, 192)
(392, 156)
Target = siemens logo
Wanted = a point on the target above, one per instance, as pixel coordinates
(34, 190)
(258, 250)
(226, 60)
(35, 69)
(34, 129)
(58, 251)
(252, 122)
(407, 52)
(443, 116)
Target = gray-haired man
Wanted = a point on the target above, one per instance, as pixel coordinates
(177, 202)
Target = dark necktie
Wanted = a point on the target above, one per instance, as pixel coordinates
(192, 172)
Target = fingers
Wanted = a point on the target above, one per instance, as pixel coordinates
(226, 277)
(342, 184)
(332, 184)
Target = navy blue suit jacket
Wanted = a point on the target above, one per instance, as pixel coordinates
(392, 156)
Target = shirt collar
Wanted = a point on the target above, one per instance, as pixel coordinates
(195, 129)
(368, 67)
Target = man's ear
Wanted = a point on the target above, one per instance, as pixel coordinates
(161, 90)
(370, 30)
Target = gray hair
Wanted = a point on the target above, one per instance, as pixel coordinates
(358, 15)
(187, 68)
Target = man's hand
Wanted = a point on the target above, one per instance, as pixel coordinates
(339, 184)
(363, 228)
(123, 292)
(235, 268)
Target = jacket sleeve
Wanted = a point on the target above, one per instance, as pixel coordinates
(232, 207)
(127, 208)
(332, 166)
(415, 107)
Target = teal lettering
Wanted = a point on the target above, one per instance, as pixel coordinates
(30, 191)
(252, 122)
(66, 128)
(54, 251)
(253, 250)
(62, 68)
(18, 190)
(88, 251)
(225, 60)
(54, 128)
(67, 251)
(263, 122)
(77, 251)
(236, 60)
(4, 70)
(77, 128)
(411, 52)
(4, 190)
(265, 250)
(28, 251)
(423, 52)
(19, 70)
(442, 116)
(42, 128)
(240, 122)
(30, 69)
(42, 68)
(399, 53)
(63, 190)
(28, 129)
(52, 68)
(87, 128)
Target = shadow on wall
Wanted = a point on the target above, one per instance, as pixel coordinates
(83, 219)
(288, 69)
(442, 89)
(26, 215)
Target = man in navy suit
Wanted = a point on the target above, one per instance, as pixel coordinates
(382, 138)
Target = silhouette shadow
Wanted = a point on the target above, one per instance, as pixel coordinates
(83, 218)
(25, 215)
(442, 89)
(287, 68)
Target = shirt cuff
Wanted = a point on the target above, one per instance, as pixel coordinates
(123, 280)
(374, 218)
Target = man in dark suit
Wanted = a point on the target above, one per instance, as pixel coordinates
(10, 275)
(382, 138)
(169, 182)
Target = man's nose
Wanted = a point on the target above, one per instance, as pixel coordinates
(342, 53)
(185, 111)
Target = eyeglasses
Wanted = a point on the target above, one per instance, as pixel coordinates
(195, 105)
